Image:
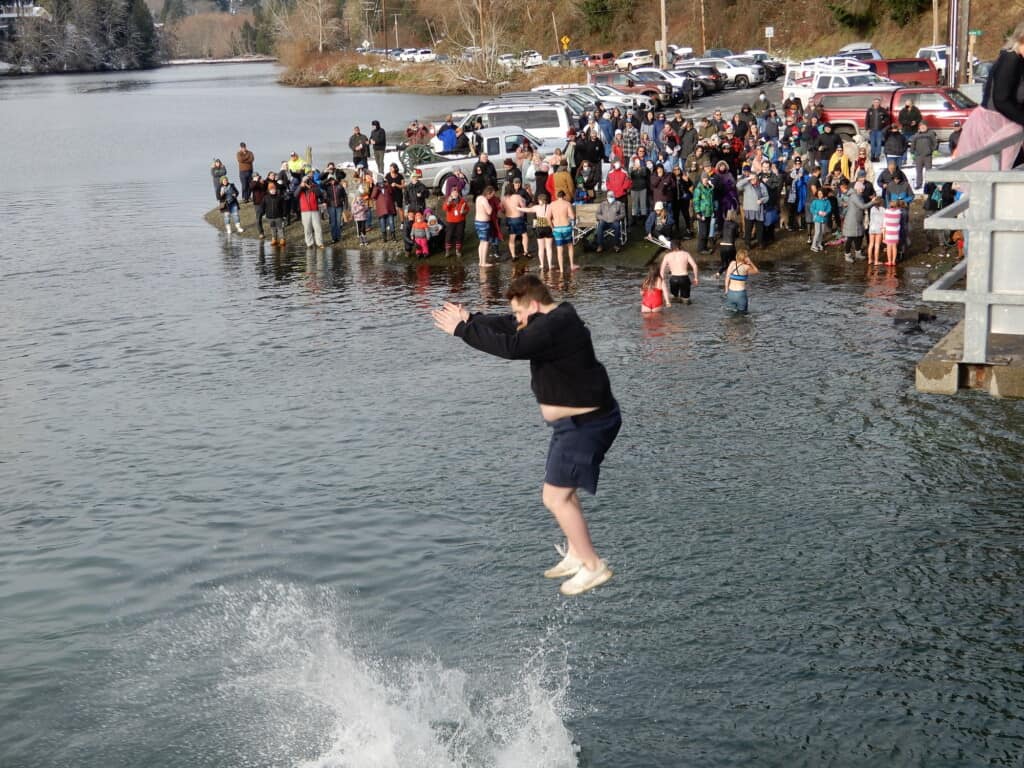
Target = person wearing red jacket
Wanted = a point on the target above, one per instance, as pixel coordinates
(619, 183)
(455, 211)
(310, 197)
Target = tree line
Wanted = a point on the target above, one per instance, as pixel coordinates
(84, 35)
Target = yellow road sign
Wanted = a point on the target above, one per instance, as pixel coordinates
(565, 41)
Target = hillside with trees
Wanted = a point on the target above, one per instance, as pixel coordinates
(83, 35)
(307, 34)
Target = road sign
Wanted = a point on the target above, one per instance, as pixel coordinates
(769, 32)
(975, 33)
(565, 41)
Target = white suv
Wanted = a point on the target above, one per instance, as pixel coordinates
(638, 58)
(738, 73)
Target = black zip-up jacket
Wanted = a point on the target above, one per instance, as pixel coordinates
(335, 195)
(894, 144)
(1004, 85)
(877, 119)
(563, 367)
(416, 196)
(379, 139)
(273, 206)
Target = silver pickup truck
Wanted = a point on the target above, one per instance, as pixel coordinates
(499, 143)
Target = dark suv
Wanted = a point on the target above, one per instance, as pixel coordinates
(710, 79)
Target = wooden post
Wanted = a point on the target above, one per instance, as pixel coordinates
(558, 41)
(664, 37)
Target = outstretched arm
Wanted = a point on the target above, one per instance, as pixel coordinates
(448, 317)
(693, 266)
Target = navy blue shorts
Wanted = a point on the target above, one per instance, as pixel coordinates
(517, 226)
(578, 445)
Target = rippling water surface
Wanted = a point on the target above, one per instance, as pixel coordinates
(257, 512)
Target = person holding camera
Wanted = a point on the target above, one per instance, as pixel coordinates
(310, 196)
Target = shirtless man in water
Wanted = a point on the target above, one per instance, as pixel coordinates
(675, 272)
(575, 398)
(513, 204)
(562, 217)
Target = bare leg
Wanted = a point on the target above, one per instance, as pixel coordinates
(560, 250)
(481, 252)
(564, 504)
(572, 257)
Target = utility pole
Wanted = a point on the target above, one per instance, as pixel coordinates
(554, 24)
(664, 37)
(703, 36)
(935, 22)
(480, 8)
(396, 31)
(384, 27)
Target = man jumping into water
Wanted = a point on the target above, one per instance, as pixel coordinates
(575, 400)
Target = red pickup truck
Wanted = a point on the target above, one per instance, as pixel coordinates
(940, 107)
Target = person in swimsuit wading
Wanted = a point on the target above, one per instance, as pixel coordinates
(576, 401)
(736, 282)
(542, 230)
(676, 265)
(562, 219)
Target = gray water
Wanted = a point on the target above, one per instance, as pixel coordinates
(256, 511)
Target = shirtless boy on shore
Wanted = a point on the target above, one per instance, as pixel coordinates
(562, 217)
(675, 272)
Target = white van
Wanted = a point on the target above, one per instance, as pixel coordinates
(549, 122)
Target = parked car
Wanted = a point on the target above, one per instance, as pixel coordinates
(737, 74)
(530, 59)
(717, 53)
(678, 53)
(508, 60)
(709, 77)
(499, 143)
(608, 95)
(661, 92)
(862, 51)
(408, 54)
(558, 60)
(938, 55)
(545, 120)
(773, 68)
(575, 56)
(600, 60)
(940, 107)
(673, 77)
(423, 55)
(640, 57)
(908, 71)
(470, 53)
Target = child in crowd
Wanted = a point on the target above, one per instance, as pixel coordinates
(421, 235)
(893, 220)
(821, 211)
(455, 210)
(652, 291)
(876, 228)
(360, 213)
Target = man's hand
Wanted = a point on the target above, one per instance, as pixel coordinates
(448, 317)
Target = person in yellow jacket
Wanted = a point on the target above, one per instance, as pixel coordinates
(840, 161)
(295, 164)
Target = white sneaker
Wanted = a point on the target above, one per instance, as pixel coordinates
(568, 566)
(239, 227)
(586, 579)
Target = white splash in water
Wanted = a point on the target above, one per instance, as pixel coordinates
(321, 703)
